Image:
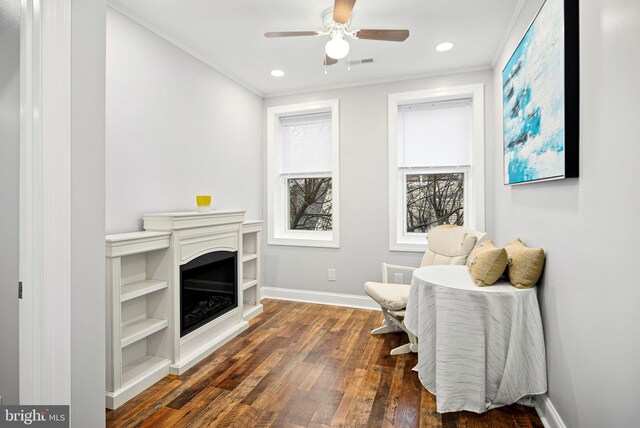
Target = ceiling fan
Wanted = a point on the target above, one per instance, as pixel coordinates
(336, 25)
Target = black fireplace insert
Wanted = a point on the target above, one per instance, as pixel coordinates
(208, 289)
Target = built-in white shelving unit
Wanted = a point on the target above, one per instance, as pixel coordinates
(138, 313)
(251, 268)
(144, 342)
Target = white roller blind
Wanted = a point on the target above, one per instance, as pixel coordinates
(306, 143)
(435, 134)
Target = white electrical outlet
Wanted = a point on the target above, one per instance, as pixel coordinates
(331, 274)
(399, 278)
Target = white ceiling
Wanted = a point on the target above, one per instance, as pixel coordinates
(229, 36)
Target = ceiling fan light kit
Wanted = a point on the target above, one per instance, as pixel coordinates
(337, 47)
(336, 24)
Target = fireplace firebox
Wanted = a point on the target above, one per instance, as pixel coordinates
(208, 289)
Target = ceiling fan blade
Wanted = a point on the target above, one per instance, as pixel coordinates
(290, 33)
(342, 10)
(329, 61)
(386, 35)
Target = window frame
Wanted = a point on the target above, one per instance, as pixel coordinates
(277, 188)
(474, 199)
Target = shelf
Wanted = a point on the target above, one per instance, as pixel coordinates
(248, 283)
(249, 256)
(142, 368)
(140, 329)
(140, 288)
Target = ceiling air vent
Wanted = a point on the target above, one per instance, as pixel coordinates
(361, 61)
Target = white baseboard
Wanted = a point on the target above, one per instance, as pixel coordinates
(321, 297)
(548, 414)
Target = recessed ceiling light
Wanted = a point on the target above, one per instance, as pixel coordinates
(277, 73)
(445, 46)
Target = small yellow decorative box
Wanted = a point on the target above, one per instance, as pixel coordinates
(204, 203)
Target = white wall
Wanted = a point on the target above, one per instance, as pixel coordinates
(87, 213)
(176, 128)
(363, 190)
(9, 196)
(588, 226)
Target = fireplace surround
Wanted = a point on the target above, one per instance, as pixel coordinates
(207, 296)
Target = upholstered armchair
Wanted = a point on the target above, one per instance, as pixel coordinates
(446, 245)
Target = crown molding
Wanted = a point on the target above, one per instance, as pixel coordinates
(380, 81)
(507, 33)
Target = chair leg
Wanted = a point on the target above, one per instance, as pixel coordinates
(413, 343)
(386, 329)
(412, 346)
(391, 325)
(388, 326)
(404, 349)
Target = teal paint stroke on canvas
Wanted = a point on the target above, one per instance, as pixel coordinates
(533, 101)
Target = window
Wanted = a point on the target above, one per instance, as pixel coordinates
(436, 158)
(310, 203)
(303, 174)
(432, 200)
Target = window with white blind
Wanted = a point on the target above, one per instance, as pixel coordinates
(303, 174)
(436, 157)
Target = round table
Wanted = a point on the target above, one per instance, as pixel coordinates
(478, 347)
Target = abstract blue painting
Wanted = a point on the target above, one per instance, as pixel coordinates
(533, 85)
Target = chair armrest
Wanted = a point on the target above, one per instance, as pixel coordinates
(385, 270)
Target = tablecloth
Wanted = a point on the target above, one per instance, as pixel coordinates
(478, 347)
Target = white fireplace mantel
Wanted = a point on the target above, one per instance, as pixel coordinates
(192, 235)
(168, 222)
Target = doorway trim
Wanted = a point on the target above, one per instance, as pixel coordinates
(45, 202)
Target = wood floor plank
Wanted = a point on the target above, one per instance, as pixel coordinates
(327, 408)
(244, 367)
(312, 376)
(159, 418)
(199, 385)
(363, 402)
(211, 412)
(409, 397)
(394, 392)
(429, 417)
(381, 399)
(192, 409)
(304, 365)
(340, 417)
(249, 384)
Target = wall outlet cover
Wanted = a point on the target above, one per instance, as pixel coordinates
(331, 275)
(399, 278)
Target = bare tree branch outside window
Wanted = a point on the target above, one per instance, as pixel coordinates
(433, 200)
(310, 203)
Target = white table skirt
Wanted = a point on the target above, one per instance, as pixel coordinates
(478, 347)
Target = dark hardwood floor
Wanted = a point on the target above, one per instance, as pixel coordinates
(304, 365)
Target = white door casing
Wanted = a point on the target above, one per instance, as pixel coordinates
(45, 202)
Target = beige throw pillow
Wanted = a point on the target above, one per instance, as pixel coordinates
(524, 264)
(487, 263)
